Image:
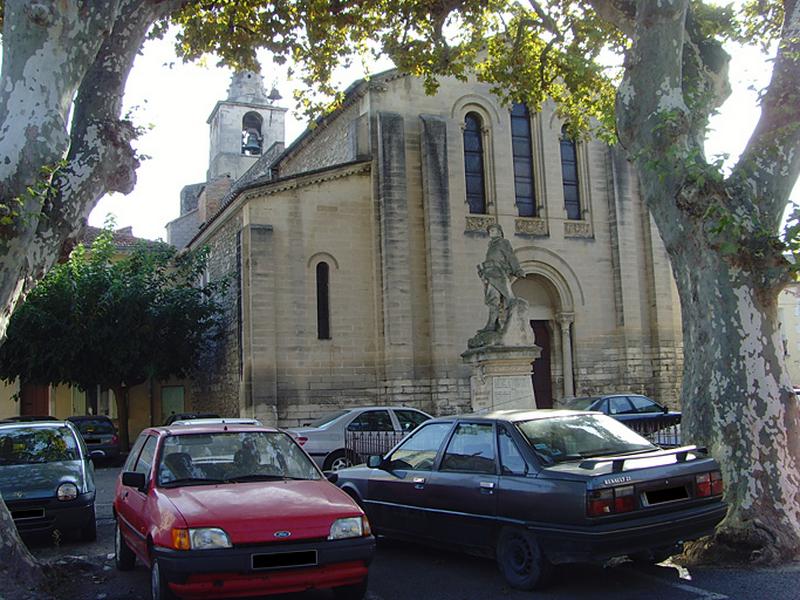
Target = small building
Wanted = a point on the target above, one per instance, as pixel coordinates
(352, 252)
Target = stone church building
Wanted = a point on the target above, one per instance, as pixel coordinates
(352, 252)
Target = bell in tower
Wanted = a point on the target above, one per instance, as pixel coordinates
(251, 142)
(251, 134)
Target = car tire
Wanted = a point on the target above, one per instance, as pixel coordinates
(340, 459)
(124, 558)
(89, 532)
(159, 590)
(521, 560)
(351, 592)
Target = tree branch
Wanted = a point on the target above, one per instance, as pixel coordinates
(100, 158)
(620, 13)
(770, 164)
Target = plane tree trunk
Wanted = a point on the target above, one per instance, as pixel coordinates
(721, 234)
(61, 59)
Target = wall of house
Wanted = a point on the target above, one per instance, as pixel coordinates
(9, 405)
(789, 316)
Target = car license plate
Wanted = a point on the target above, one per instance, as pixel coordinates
(666, 495)
(94, 441)
(30, 513)
(277, 560)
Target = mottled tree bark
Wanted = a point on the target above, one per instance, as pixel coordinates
(60, 58)
(721, 236)
(19, 571)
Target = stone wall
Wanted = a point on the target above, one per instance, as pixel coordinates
(215, 387)
(331, 143)
(180, 231)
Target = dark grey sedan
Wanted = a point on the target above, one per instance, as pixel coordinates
(535, 488)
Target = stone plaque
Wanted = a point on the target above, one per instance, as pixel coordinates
(512, 391)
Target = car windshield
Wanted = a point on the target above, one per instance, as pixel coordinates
(326, 419)
(34, 445)
(574, 437)
(580, 403)
(199, 458)
(98, 426)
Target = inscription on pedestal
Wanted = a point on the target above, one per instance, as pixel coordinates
(509, 392)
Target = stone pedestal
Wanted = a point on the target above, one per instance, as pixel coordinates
(501, 377)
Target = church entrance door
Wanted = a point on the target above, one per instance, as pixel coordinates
(542, 378)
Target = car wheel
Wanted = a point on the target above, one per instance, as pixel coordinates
(521, 560)
(351, 592)
(341, 459)
(124, 558)
(159, 590)
(89, 532)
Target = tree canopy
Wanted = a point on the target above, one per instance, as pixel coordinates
(98, 319)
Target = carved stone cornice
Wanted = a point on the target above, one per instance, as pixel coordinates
(578, 229)
(530, 226)
(478, 223)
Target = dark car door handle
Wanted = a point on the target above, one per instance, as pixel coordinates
(419, 482)
(487, 487)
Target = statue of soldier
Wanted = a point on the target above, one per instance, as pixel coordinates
(496, 271)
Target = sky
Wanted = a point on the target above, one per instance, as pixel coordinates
(174, 101)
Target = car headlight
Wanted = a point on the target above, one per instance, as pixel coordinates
(349, 527)
(67, 491)
(206, 538)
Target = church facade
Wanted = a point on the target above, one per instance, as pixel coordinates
(352, 253)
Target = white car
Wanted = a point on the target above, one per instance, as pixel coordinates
(342, 438)
(217, 421)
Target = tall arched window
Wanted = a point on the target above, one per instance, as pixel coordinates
(323, 302)
(569, 176)
(473, 163)
(523, 160)
(251, 134)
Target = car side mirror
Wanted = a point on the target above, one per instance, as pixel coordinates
(134, 480)
(375, 461)
(665, 409)
(331, 476)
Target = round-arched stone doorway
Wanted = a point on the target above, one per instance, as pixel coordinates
(550, 316)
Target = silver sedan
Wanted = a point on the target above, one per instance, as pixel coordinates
(345, 437)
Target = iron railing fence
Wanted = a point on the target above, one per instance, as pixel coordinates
(363, 444)
(662, 431)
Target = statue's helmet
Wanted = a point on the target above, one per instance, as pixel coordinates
(497, 227)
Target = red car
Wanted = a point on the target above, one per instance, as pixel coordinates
(227, 511)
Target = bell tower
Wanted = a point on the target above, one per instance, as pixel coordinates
(244, 126)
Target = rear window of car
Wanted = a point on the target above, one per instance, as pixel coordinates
(575, 437)
(580, 403)
(98, 426)
(326, 419)
(35, 445)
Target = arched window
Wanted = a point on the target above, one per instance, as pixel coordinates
(251, 134)
(323, 302)
(523, 160)
(473, 163)
(569, 176)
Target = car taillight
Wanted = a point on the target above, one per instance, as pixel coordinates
(114, 439)
(610, 501)
(709, 484)
(301, 440)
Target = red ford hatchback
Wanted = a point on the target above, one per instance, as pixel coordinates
(226, 511)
